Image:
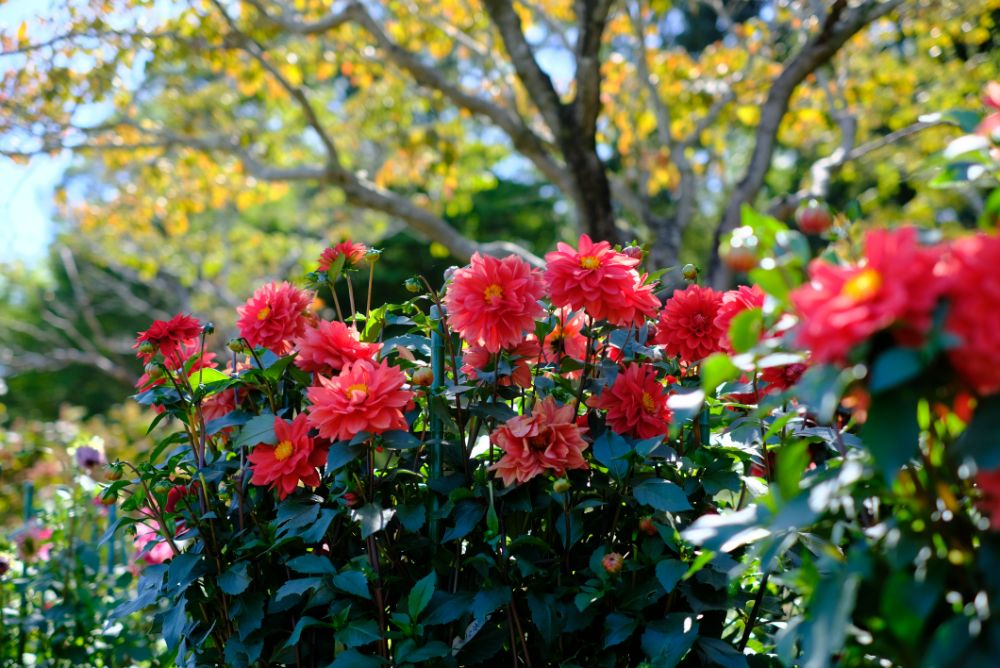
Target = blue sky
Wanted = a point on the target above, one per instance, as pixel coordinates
(26, 207)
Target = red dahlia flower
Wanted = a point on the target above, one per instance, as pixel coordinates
(989, 483)
(168, 337)
(782, 377)
(520, 358)
(687, 325)
(601, 281)
(546, 440)
(364, 397)
(273, 316)
(330, 346)
(354, 254)
(733, 303)
(895, 285)
(973, 316)
(635, 403)
(295, 458)
(492, 302)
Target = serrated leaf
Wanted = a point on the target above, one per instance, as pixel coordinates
(488, 600)
(618, 628)
(669, 572)
(259, 429)
(372, 518)
(421, 595)
(357, 633)
(235, 580)
(352, 582)
(311, 564)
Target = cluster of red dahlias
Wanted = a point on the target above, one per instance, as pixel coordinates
(895, 290)
(494, 305)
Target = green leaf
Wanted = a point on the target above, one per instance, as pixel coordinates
(488, 600)
(311, 564)
(891, 431)
(611, 450)
(716, 369)
(412, 517)
(666, 641)
(257, 430)
(352, 582)
(662, 495)
(357, 633)
(669, 572)
(352, 658)
(745, 329)
(207, 376)
(467, 515)
(303, 624)
(772, 281)
(445, 608)
(373, 518)
(893, 368)
(341, 454)
(966, 119)
(980, 439)
(297, 587)
(792, 460)
(720, 653)
(421, 595)
(235, 580)
(400, 440)
(618, 628)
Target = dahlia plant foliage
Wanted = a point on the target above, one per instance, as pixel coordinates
(583, 465)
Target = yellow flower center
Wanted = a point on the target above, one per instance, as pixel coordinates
(356, 391)
(589, 262)
(864, 285)
(263, 313)
(493, 292)
(283, 450)
(648, 404)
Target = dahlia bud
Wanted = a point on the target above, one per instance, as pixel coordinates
(109, 498)
(814, 217)
(413, 285)
(449, 273)
(561, 486)
(634, 252)
(690, 272)
(372, 255)
(647, 526)
(154, 370)
(114, 472)
(613, 563)
(351, 499)
(740, 259)
(424, 377)
(209, 328)
(236, 345)
(147, 348)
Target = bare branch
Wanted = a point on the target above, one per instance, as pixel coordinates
(593, 19)
(83, 302)
(840, 24)
(294, 24)
(531, 74)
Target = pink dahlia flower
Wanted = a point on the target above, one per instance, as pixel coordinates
(330, 346)
(733, 303)
(274, 316)
(492, 302)
(364, 397)
(546, 440)
(600, 280)
(896, 284)
(635, 403)
(353, 252)
(294, 458)
(973, 315)
(168, 337)
(687, 325)
(520, 358)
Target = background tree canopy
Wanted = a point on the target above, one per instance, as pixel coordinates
(218, 140)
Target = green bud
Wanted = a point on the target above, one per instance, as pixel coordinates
(236, 345)
(372, 255)
(690, 272)
(413, 285)
(147, 348)
(561, 486)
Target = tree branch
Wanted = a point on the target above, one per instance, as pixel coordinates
(840, 24)
(593, 19)
(292, 24)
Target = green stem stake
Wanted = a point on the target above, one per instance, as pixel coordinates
(29, 501)
(437, 427)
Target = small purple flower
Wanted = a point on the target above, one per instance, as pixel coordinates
(88, 458)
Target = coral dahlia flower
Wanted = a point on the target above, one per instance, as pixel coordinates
(293, 459)
(973, 316)
(168, 337)
(365, 397)
(519, 358)
(896, 284)
(600, 280)
(354, 254)
(492, 301)
(330, 346)
(546, 440)
(635, 403)
(274, 316)
(733, 303)
(687, 324)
